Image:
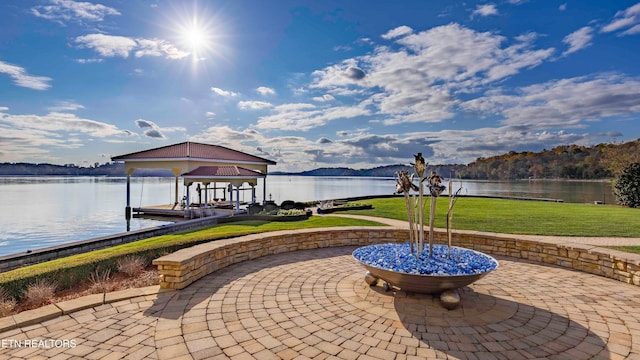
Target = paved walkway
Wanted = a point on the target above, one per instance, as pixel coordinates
(314, 304)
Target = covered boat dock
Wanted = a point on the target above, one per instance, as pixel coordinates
(202, 164)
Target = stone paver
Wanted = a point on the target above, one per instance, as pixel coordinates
(315, 304)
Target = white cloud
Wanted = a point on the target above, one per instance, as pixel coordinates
(304, 117)
(485, 10)
(88, 61)
(152, 130)
(628, 18)
(400, 31)
(342, 48)
(361, 149)
(578, 40)
(253, 105)
(107, 45)
(4, 108)
(112, 46)
(21, 78)
(420, 81)
(562, 7)
(224, 93)
(59, 10)
(324, 98)
(210, 114)
(263, 90)
(67, 105)
(565, 103)
(158, 47)
(632, 31)
(462, 146)
(55, 122)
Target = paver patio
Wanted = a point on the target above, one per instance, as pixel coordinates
(315, 304)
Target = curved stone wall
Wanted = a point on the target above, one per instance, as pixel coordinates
(183, 267)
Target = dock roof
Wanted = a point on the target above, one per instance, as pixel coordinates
(194, 151)
(223, 172)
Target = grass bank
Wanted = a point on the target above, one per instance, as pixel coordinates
(521, 217)
(66, 272)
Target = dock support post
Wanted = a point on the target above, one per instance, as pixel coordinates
(187, 209)
(264, 191)
(176, 173)
(127, 209)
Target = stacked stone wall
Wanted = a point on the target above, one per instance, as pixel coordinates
(179, 269)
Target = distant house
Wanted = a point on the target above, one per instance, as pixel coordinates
(199, 163)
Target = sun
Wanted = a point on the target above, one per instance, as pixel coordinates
(195, 38)
(198, 33)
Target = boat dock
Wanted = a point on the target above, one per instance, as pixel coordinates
(194, 211)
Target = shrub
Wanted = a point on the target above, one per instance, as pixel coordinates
(291, 212)
(131, 265)
(100, 280)
(40, 292)
(67, 272)
(7, 303)
(355, 204)
(627, 186)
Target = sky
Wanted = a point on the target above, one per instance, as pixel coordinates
(309, 84)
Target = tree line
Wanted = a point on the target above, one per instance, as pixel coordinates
(600, 161)
(107, 169)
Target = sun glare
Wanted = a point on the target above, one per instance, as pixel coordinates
(199, 32)
(195, 38)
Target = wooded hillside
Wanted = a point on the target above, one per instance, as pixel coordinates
(565, 162)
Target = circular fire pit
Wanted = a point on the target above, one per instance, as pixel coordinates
(395, 264)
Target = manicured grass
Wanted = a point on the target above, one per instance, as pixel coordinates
(233, 230)
(521, 217)
(631, 249)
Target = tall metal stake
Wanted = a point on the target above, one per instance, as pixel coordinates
(410, 219)
(432, 216)
(453, 197)
(450, 217)
(420, 166)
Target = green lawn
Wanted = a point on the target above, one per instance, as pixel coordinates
(631, 249)
(522, 217)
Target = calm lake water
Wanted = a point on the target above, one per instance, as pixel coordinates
(37, 212)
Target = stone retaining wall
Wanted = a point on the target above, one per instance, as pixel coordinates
(183, 267)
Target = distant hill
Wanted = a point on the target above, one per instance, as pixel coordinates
(562, 162)
(380, 171)
(600, 161)
(109, 169)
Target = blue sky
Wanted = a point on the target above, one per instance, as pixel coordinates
(316, 83)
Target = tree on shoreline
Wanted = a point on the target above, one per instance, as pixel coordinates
(627, 186)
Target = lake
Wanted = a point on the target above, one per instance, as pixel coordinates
(37, 211)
